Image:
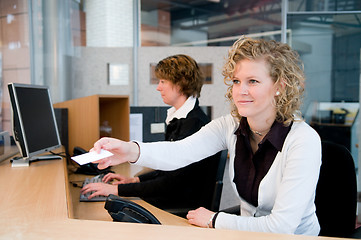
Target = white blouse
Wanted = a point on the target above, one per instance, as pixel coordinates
(287, 192)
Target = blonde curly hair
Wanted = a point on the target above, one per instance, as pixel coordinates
(285, 69)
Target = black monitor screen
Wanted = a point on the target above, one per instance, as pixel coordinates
(34, 123)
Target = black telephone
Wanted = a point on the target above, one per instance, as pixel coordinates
(123, 210)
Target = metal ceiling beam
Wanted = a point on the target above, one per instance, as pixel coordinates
(258, 15)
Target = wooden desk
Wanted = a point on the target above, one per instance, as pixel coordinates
(33, 205)
(96, 211)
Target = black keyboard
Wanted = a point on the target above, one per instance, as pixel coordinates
(84, 197)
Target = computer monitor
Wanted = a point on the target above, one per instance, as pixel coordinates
(33, 121)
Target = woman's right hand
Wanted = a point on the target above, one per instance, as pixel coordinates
(123, 151)
(119, 179)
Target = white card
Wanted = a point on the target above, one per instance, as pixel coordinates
(91, 157)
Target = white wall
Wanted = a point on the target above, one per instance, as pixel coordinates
(89, 73)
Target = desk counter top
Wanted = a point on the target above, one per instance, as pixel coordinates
(34, 205)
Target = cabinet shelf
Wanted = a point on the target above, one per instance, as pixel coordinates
(85, 115)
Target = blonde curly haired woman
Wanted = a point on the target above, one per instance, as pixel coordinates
(274, 155)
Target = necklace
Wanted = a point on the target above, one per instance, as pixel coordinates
(259, 133)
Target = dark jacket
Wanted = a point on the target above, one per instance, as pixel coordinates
(189, 187)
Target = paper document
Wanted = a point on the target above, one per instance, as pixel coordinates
(91, 157)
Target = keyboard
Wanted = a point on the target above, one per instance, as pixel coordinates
(84, 197)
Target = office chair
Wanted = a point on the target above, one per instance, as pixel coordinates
(218, 186)
(216, 200)
(336, 192)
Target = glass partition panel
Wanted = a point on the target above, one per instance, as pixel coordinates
(207, 23)
(324, 5)
(329, 45)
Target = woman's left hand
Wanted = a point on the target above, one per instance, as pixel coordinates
(200, 217)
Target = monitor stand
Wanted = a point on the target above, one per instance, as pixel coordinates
(25, 162)
(20, 162)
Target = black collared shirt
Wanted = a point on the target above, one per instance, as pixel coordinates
(249, 168)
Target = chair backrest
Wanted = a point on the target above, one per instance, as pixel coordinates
(216, 200)
(336, 192)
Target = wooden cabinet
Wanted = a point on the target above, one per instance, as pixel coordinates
(87, 114)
